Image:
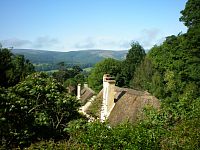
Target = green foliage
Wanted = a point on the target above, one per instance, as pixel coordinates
(107, 66)
(182, 124)
(70, 82)
(96, 135)
(191, 13)
(80, 78)
(13, 68)
(20, 69)
(134, 57)
(157, 85)
(172, 74)
(143, 75)
(122, 71)
(63, 73)
(69, 77)
(163, 129)
(156, 130)
(38, 108)
(5, 65)
(51, 145)
(34, 109)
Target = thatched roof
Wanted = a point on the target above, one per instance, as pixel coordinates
(86, 94)
(129, 103)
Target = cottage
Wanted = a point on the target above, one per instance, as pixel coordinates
(117, 104)
(123, 104)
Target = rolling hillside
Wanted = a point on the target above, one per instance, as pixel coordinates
(72, 57)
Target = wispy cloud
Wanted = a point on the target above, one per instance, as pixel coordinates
(45, 42)
(101, 43)
(42, 42)
(148, 37)
(15, 42)
(87, 43)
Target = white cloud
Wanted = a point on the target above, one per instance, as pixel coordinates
(43, 42)
(101, 43)
(15, 42)
(147, 38)
(85, 44)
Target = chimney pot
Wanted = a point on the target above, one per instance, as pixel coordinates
(86, 85)
(79, 91)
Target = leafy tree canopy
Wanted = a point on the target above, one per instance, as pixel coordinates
(13, 68)
(64, 73)
(134, 57)
(107, 66)
(191, 14)
(37, 108)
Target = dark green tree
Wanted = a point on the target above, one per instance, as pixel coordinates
(191, 18)
(13, 68)
(61, 65)
(191, 14)
(20, 69)
(143, 75)
(37, 108)
(77, 69)
(107, 66)
(5, 65)
(80, 78)
(64, 73)
(134, 57)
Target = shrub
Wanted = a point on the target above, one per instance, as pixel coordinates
(37, 108)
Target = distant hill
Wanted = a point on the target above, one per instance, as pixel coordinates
(71, 57)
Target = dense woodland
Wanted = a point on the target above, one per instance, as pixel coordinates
(37, 112)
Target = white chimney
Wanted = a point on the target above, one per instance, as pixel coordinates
(79, 91)
(85, 85)
(108, 96)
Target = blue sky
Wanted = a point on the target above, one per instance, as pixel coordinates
(88, 24)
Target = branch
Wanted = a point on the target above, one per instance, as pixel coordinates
(35, 108)
(59, 121)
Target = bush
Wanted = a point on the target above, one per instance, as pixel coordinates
(163, 129)
(96, 135)
(37, 108)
